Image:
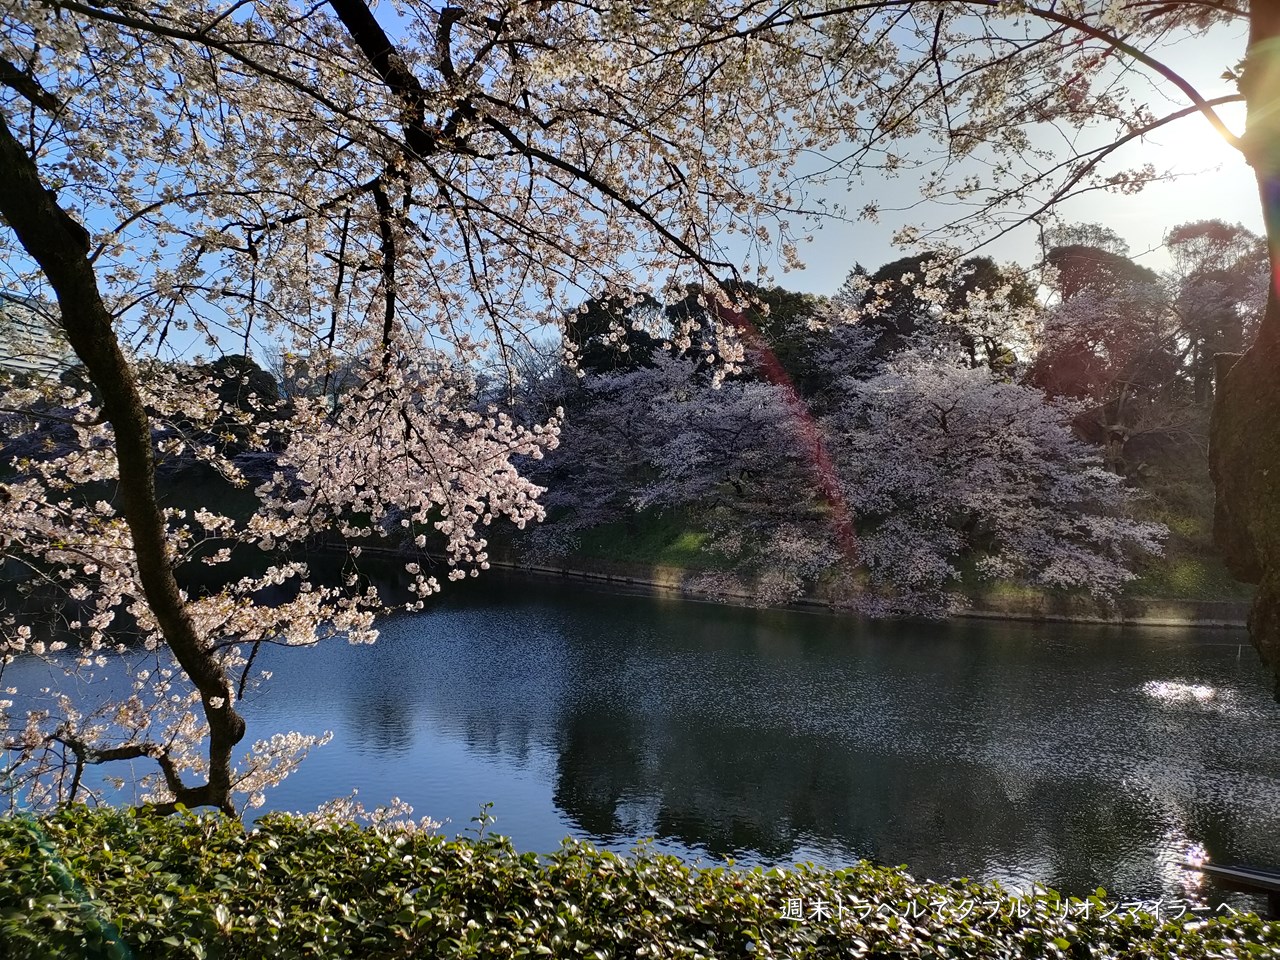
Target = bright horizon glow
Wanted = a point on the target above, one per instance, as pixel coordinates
(1212, 182)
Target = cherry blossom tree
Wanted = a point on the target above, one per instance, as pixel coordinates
(729, 459)
(957, 474)
(953, 473)
(402, 196)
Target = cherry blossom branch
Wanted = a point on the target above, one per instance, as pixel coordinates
(1202, 105)
(386, 61)
(386, 232)
(202, 38)
(101, 418)
(59, 244)
(1087, 163)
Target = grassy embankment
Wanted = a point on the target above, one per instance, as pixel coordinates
(1190, 568)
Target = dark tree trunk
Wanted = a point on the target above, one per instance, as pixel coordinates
(1245, 433)
(60, 246)
(1113, 449)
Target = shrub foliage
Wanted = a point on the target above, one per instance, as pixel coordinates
(118, 884)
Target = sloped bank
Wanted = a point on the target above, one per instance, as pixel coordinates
(1023, 604)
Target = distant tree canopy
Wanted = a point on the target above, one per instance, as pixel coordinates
(1095, 235)
(1108, 326)
(1220, 276)
(946, 471)
(1138, 346)
(1083, 268)
(1133, 347)
(612, 332)
(894, 308)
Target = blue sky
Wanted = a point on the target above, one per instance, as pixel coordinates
(1213, 182)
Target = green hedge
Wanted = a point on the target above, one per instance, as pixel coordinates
(114, 884)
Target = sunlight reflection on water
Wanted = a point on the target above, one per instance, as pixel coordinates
(1175, 691)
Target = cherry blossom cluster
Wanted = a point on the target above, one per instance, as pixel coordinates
(408, 447)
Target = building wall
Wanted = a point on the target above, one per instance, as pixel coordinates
(29, 341)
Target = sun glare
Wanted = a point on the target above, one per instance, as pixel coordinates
(1191, 145)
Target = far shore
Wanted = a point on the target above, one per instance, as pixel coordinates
(1031, 606)
(1024, 605)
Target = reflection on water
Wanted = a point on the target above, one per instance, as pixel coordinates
(1173, 690)
(1073, 756)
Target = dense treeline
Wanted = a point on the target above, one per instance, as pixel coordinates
(929, 426)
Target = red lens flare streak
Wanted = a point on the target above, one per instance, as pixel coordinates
(810, 436)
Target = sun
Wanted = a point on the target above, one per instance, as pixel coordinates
(1191, 145)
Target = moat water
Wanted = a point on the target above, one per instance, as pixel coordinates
(1071, 756)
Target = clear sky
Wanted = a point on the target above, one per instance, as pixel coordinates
(1213, 182)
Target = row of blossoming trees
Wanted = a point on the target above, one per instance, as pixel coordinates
(917, 435)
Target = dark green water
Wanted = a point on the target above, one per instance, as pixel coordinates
(1073, 756)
